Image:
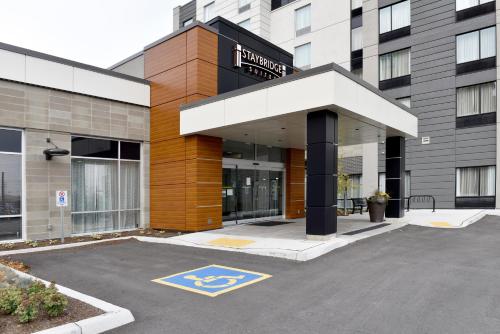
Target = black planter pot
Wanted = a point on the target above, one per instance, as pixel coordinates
(377, 210)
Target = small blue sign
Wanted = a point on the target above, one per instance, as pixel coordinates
(212, 280)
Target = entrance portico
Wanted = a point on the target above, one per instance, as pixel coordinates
(304, 111)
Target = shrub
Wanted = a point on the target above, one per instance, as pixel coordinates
(10, 299)
(54, 302)
(36, 287)
(28, 309)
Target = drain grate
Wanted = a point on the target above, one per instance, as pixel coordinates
(269, 223)
(365, 229)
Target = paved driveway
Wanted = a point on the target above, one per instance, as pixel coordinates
(413, 280)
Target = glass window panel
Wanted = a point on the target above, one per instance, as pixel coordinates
(464, 4)
(467, 182)
(406, 101)
(468, 47)
(400, 63)
(407, 184)
(487, 181)
(302, 57)
(244, 2)
(187, 22)
(381, 182)
(209, 11)
(356, 4)
(130, 219)
(93, 147)
(489, 97)
(238, 150)
(10, 228)
(269, 153)
(130, 151)
(10, 184)
(130, 175)
(485, 1)
(245, 24)
(468, 101)
(385, 66)
(357, 39)
(10, 141)
(358, 72)
(488, 43)
(385, 19)
(401, 15)
(303, 18)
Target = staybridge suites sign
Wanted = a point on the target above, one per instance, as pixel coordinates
(257, 64)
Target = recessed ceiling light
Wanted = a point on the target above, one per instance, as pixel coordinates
(283, 128)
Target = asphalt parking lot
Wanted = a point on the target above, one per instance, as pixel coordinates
(412, 280)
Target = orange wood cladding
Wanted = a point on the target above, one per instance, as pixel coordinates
(186, 172)
(295, 183)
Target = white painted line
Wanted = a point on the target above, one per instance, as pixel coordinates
(114, 316)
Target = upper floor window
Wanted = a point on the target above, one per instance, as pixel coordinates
(357, 39)
(395, 17)
(405, 101)
(464, 4)
(476, 45)
(476, 181)
(244, 5)
(395, 64)
(356, 4)
(477, 99)
(245, 24)
(187, 22)
(209, 11)
(302, 57)
(303, 20)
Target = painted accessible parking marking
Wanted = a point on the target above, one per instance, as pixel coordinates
(212, 280)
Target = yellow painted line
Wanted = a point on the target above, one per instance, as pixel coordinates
(230, 242)
(213, 294)
(441, 224)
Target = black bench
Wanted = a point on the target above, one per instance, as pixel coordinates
(358, 203)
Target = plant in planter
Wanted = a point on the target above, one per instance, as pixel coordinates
(376, 206)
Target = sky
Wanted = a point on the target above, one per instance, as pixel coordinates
(94, 32)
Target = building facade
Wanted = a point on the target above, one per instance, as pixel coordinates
(438, 57)
(66, 126)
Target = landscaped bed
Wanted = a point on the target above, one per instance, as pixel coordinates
(28, 306)
(77, 239)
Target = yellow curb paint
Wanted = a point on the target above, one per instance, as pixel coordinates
(230, 242)
(440, 224)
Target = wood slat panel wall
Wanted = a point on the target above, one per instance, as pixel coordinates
(295, 184)
(186, 172)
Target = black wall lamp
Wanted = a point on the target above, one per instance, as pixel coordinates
(55, 151)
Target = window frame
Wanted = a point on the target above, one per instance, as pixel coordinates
(478, 45)
(23, 210)
(246, 20)
(205, 19)
(245, 7)
(480, 100)
(478, 4)
(390, 6)
(187, 22)
(119, 209)
(478, 181)
(310, 54)
(392, 58)
(304, 30)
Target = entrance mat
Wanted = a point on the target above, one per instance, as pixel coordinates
(365, 229)
(269, 223)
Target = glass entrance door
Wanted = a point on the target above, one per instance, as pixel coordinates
(250, 193)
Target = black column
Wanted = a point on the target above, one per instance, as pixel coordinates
(322, 139)
(395, 176)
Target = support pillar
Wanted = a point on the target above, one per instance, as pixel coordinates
(322, 152)
(394, 176)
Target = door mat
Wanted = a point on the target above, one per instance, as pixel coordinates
(365, 229)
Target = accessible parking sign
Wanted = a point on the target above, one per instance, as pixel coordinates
(212, 280)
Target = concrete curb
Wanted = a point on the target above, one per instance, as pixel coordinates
(113, 317)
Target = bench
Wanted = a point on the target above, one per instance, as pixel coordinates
(358, 203)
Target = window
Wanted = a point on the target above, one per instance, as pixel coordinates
(11, 184)
(244, 5)
(358, 72)
(245, 24)
(477, 99)
(275, 4)
(476, 181)
(395, 17)
(476, 45)
(187, 22)
(209, 11)
(356, 4)
(238, 150)
(355, 190)
(464, 4)
(302, 57)
(105, 190)
(303, 20)
(357, 39)
(405, 100)
(381, 183)
(395, 64)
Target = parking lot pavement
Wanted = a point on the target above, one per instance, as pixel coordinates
(412, 280)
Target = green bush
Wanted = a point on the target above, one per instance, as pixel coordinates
(54, 302)
(10, 299)
(28, 310)
(36, 287)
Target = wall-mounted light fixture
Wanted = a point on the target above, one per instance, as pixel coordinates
(55, 151)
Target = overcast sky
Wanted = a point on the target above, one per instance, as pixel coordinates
(95, 32)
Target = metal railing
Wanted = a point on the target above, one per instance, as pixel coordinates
(422, 199)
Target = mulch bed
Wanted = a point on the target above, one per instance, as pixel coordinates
(75, 311)
(95, 237)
